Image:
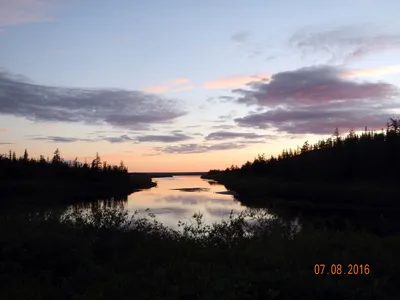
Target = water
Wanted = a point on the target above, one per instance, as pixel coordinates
(178, 198)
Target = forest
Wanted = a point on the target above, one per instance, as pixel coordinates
(369, 155)
(350, 172)
(42, 176)
(25, 167)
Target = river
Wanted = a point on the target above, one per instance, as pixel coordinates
(179, 197)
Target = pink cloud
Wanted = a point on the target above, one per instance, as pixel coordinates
(180, 81)
(371, 72)
(311, 85)
(169, 86)
(317, 100)
(235, 81)
(4, 129)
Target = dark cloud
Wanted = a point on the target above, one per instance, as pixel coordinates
(60, 139)
(241, 36)
(317, 100)
(119, 139)
(177, 137)
(199, 148)
(319, 119)
(311, 85)
(6, 143)
(226, 135)
(116, 107)
(344, 43)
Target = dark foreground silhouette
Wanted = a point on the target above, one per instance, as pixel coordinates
(105, 255)
(59, 180)
(357, 170)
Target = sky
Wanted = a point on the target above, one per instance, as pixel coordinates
(192, 85)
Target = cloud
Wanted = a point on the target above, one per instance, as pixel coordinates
(270, 58)
(173, 211)
(311, 85)
(180, 81)
(115, 107)
(60, 139)
(177, 137)
(372, 72)
(118, 139)
(235, 81)
(4, 129)
(225, 127)
(344, 43)
(241, 36)
(170, 86)
(184, 88)
(226, 99)
(6, 143)
(16, 12)
(221, 212)
(195, 199)
(199, 148)
(229, 116)
(226, 135)
(317, 100)
(318, 119)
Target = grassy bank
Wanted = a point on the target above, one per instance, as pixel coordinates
(344, 195)
(106, 255)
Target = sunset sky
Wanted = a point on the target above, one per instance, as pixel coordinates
(192, 85)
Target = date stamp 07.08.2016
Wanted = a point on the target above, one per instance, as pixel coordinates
(339, 269)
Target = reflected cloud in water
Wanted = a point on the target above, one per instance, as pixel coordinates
(170, 210)
(221, 212)
(195, 200)
(191, 190)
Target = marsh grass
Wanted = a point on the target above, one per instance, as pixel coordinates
(105, 254)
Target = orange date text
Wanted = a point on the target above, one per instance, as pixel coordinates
(339, 269)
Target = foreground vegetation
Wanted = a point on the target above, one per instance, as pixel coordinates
(357, 169)
(104, 254)
(67, 179)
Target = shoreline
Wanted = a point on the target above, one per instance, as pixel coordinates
(58, 190)
(252, 190)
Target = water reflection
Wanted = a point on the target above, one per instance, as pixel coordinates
(182, 196)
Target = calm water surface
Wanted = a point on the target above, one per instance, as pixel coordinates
(178, 198)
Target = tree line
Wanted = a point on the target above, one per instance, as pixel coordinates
(29, 168)
(368, 155)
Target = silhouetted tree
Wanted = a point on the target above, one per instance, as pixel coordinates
(56, 157)
(357, 156)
